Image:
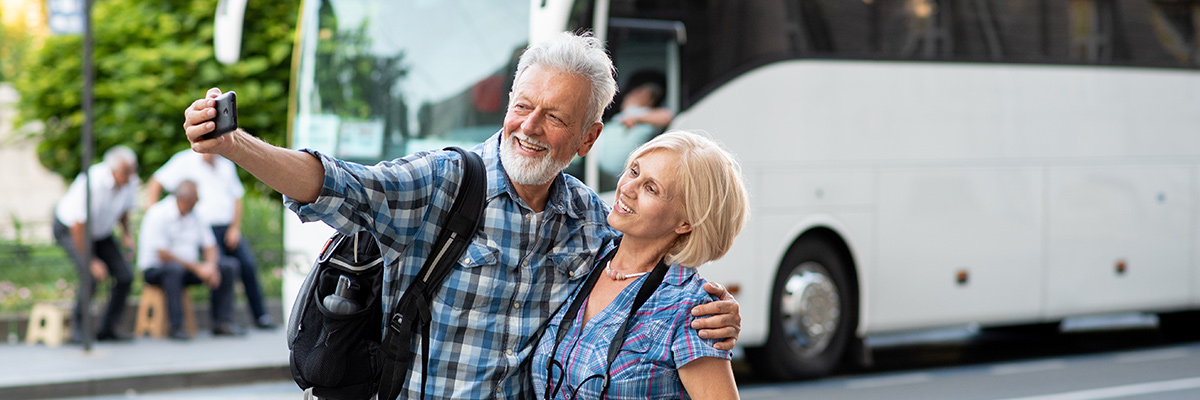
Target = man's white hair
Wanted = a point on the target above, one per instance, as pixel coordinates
(118, 154)
(582, 55)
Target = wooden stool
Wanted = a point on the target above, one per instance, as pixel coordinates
(152, 315)
(47, 324)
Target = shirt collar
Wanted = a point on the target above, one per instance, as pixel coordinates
(678, 274)
(102, 176)
(561, 199)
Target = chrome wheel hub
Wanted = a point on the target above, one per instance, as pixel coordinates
(810, 308)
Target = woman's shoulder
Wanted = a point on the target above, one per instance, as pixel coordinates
(686, 283)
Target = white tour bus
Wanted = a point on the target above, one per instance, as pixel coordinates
(912, 164)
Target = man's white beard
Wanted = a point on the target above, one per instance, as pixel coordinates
(529, 171)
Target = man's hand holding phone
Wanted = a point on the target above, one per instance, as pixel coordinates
(209, 118)
(226, 119)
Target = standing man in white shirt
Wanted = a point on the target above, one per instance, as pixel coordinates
(114, 185)
(172, 237)
(220, 204)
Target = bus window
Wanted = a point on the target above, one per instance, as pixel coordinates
(371, 85)
(1091, 28)
(1175, 26)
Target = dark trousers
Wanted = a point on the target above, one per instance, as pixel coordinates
(106, 250)
(173, 277)
(248, 270)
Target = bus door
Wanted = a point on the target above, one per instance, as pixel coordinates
(646, 55)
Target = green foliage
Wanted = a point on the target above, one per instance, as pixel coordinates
(15, 45)
(262, 227)
(153, 58)
(32, 272)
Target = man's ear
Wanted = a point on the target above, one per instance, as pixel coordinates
(589, 138)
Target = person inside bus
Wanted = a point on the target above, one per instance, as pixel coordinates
(540, 232)
(640, 119)
(679, 204)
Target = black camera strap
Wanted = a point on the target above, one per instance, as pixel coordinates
(412, 310)
(644, 292)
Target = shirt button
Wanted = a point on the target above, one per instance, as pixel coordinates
(528, 216)
(509, 352)
(517, 305)
(571, 274)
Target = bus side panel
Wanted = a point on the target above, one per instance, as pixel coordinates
(784, 206)
(958, 245)
(1194, 240)
(1119, 238)
(741, 269)
(838, 199)
(779, 230)
(302, 243)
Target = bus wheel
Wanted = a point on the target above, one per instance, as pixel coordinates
(813, 315)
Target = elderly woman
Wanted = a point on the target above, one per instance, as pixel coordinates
(680, 203)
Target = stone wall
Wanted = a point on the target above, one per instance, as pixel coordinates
(29, 192)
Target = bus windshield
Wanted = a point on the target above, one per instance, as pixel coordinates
(381, 79)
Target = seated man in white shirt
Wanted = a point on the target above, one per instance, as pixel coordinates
(220, 205)
(172, 238)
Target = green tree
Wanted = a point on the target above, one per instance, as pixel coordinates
(15, 44)
(153, 58)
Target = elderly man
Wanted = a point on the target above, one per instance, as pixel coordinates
(114, 185)
(541, 231)
(172, 239)
(221, 206)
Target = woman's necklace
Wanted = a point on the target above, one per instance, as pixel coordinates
(617, 276)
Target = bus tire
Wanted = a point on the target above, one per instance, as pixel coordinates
(814, 313)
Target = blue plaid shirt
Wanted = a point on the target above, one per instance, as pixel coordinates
(519, 268)
(659, 341)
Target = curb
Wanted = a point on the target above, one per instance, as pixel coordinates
(148, 383)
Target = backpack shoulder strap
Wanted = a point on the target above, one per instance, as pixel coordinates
(461, 223)
(412, 310)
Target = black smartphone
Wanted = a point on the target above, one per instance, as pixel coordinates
(226, 119)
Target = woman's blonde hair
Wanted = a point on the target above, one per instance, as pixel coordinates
(715, 201)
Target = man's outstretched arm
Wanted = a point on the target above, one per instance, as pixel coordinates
(296, 174)
(724, 318)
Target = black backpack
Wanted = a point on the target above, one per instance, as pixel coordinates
(333, 334)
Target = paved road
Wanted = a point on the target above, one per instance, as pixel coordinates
(1128, 363)
(1171, 372)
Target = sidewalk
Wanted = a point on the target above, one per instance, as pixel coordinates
(142, 365)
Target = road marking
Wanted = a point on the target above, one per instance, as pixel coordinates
(1155, 355)
(1022, 368)
(895, 380)
(1121, 391)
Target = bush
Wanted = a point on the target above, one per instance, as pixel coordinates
(32, 272)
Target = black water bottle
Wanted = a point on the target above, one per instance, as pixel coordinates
(342, 300)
